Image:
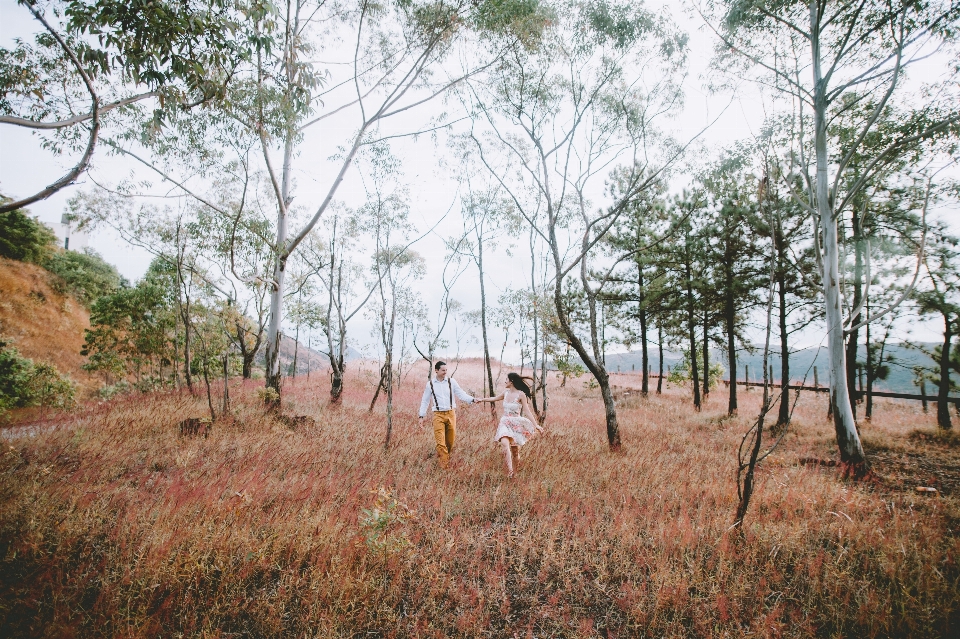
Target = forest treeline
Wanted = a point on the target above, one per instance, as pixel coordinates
(556, 120)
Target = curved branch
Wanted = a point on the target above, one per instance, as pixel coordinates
(62, 124)
(81, 166)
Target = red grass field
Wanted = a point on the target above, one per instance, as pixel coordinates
(113, 525)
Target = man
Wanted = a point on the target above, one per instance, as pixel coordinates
(440, 393)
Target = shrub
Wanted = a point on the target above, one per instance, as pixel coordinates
(112, 390)
(382, 525)
(26, 383)
(24, 238)
(86, 275)
(683, 372)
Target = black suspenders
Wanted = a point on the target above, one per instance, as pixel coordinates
(436, 404)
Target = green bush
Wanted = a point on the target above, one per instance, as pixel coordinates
(86, 275)
(683, 371)
(24, 238)
(24, 382)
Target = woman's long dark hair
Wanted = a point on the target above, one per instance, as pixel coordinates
(522, 384)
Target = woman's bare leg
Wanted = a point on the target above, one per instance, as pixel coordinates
(515, 453)
(507, 457)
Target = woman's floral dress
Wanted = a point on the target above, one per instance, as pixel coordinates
(512, 425)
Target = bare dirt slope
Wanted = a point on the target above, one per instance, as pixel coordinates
(43, 324)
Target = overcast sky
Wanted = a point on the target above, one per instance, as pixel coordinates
(26, 168)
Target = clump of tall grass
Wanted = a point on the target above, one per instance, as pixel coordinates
(114, 524)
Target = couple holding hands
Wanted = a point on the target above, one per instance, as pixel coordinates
(513, 431)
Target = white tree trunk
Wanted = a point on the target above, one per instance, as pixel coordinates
(848, 440)
(276, 309)
(272, 354)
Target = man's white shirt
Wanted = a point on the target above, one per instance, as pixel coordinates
(443, 395)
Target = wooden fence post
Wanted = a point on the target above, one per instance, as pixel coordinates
(923, 391)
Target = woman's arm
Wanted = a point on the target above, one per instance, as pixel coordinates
(528, 409)
(490, 399)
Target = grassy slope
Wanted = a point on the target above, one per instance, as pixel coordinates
(43, 324)
(112, 525)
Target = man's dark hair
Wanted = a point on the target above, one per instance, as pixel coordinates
(437, 366)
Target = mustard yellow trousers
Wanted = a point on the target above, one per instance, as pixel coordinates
(444, 432)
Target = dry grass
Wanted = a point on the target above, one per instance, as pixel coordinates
(112, 525)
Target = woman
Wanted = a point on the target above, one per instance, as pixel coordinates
(514, 430)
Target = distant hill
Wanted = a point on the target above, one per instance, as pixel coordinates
(900, 379)
(307, 358)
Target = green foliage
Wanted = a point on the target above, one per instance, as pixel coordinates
(382, 525)
(86, 275)
(157, 43)
(523, 19)
(683, 372)
(24, 238)
(620, 24)
(131, 329)
(568, 367)
(24, 382)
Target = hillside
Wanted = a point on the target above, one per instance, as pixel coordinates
(43, 324)
(49, 326)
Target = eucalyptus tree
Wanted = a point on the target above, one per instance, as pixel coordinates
(884, 222)
(394, 53)
(826, 56)
(394, 267)
(331, 257)
(551, 124)
(95, 63)
(483, 218)
(361, 70)
(238, 247)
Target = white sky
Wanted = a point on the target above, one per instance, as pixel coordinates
(26, 168)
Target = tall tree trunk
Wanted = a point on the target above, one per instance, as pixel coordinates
(853, 337)
(706, 353)
(536, 327)
(642, 316)
(784, 416)
(943, 406)
(206, 381)
(483, 324)
(730, 318)
(593, 362)
(335, 355)
(871, 368)
(660, 356)
(391, 327)
(187, 363)
(691, 329)
(296, 350)
(272, 352)
(848, 440)
(543, 379)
